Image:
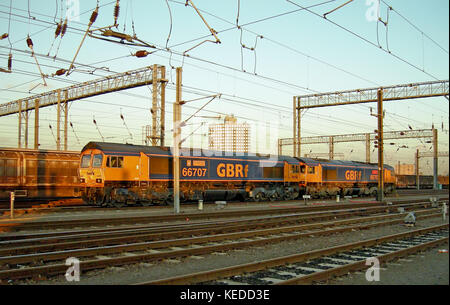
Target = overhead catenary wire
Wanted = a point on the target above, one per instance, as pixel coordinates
(171, 24)
(211, 30)
(335, 9)
(98, 129)
(91, 22)
(273, 40)
(30, 45)
(125, 124)
(366, 40)
(73, 129)
(386, 25)
(51, 24)
(267, 77)
(318, 117)
(253, 49)
(53, 134)
(416, 27)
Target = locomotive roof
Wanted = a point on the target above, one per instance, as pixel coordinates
(316, 162)
(130, 149)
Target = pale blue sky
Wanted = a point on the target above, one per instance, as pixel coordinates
(298, 51)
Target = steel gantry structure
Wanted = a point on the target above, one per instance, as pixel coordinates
(370, 95)
(151, 75)
(427, 154)
(322, 155)
(368, 138)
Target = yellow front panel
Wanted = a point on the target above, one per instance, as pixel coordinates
(93, 176)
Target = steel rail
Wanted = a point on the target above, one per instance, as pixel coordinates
(342, 270)
(15, 225)
(18, 239)
(262, 265)
(156, 255)
(135, 237)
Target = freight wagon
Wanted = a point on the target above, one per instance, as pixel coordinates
(425, 181)
(42, 174)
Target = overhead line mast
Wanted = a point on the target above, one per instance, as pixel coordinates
(369, 95)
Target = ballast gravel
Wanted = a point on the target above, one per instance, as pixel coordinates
(429, 267)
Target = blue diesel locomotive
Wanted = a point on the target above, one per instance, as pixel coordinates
(119, 174)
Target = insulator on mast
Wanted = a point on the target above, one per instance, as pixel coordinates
(116, 12)
(141, 53)
(9, 61)
(60, 72)
(30, 42)
(64, 28)
(93, 16)
(58, 29)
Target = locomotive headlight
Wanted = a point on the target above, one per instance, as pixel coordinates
(82, 180)
(98, 180)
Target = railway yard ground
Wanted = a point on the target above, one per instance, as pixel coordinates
(291, 242)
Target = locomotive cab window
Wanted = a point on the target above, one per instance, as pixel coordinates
(114, 162)
(295, 169)
(85, 161)
(311, 170)
(302, 169)
(97, 161)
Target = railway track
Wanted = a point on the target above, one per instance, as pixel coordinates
(41, 203)
(151, 233)
(23, 258)
(69, 205)
(284, 219)
(317, 265)
(139, 219)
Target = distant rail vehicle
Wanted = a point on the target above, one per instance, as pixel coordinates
(42, 174)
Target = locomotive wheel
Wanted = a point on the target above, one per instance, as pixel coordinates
(259, 197)
(287, 196)
(98, 200)
(146, 203)
(117, 204)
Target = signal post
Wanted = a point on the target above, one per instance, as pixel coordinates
(176, 144)
(380, 192)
